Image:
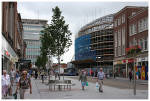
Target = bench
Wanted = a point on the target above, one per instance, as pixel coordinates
(60, 84)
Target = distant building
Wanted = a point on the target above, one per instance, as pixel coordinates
(63, 66)
(130, 29)
(32, 28)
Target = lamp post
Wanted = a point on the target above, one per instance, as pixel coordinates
(63, 71)
(98, 58)
(134, 77)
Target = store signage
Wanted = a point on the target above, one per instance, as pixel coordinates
(7, 53)
(142, 59)
(130, 60)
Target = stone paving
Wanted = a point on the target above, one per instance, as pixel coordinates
(41, 91)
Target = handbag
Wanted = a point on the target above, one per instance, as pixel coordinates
(87, 84)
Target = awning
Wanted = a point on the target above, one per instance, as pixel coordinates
(83, 61)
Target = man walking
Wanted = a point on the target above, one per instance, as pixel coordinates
(100, 78)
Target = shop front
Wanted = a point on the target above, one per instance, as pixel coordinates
(9, 57)
(120, 69)
(123, 67)
(142, 68)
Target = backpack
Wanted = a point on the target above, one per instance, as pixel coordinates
(24, 84)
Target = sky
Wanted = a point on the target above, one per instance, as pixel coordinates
(76, 14)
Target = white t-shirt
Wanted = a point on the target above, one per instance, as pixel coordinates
(100, 75)
(5, 80)
(12, 73)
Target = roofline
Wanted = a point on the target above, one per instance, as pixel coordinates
(90, 23)
(126, 7)
(139, 12)
(36, 19)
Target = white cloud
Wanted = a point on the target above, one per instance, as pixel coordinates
(76, 14)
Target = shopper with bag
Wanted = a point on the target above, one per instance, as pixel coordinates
(83, 79)
(24, 83)
(100, 78)
(97, 86)
(5, 84)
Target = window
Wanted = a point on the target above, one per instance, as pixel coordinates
(132, 29)
(123, 36)
(119, 37)
(116, 39)
(116, 52)
(115, 23)
(123, 50)
(141, 43)
(119, 21)
(143, 24)
(123, 18)
(119, 51)
(133, 13)
(134, 42)
(140, 26)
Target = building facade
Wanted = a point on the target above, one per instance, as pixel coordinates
(32, 28)
(12, 30)
(125, 36)
(94, 45)
(138, 36)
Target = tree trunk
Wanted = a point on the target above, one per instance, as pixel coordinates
(59, 65)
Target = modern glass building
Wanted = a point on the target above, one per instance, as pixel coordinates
(32, 28)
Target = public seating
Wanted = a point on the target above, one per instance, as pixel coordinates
(60, 84)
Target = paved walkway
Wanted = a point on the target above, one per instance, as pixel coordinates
(41, 91)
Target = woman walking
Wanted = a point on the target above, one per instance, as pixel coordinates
(24, 83)
(83, 79)
(5, 83)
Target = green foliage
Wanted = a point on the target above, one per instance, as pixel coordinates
(56, 37)
(41, 61)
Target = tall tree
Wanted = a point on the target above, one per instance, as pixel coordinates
(57, 35)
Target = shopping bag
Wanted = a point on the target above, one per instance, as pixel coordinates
(87, 84)
(97, 85)
(15, 95)
(10, 91)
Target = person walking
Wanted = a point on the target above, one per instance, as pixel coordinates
(96, 73)
(100, 78)
(12, 76)
(24, 84)
(36, 74)
(83, 79)
(130, 76)
(5, 83)
(42, 76)
(17, 76)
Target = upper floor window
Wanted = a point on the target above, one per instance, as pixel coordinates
(123, 36)
(123, 18)
(143, 24)
(133, 13)
(116, 38)
(119, 37)
(119, 21)
(132, 29)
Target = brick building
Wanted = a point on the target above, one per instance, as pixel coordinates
(122, 39)
(138, 36)
(12, 30)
